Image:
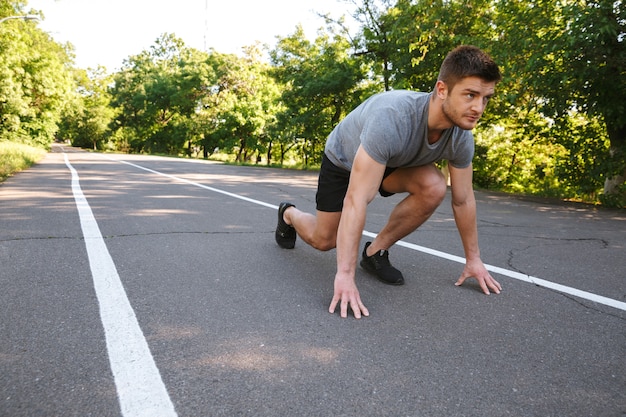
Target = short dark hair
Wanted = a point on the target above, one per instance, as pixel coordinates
(468, 61)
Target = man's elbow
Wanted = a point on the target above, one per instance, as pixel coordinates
(463, 203)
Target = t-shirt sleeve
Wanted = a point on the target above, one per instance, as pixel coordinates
(384, 134)
(463, 150)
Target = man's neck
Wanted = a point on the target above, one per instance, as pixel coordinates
(437, 122)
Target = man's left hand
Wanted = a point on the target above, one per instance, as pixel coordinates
(476, 269)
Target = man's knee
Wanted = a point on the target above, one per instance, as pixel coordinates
(426, 181)
(324, 242)
(324, 245)
(430, 186)
(437, 188)
(324, 237)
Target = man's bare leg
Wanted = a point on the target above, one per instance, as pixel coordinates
(319, 231)
(426, 187)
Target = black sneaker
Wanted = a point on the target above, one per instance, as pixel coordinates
(285, 234)
(379, 265)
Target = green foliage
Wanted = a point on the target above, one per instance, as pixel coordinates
(35, 82)
(172, 99)
(321, 83)
(86, 122)
(242, 105)
(507, 159)
(148, 98)
(571, 56)
(583, 166)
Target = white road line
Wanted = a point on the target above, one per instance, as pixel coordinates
(511, 274)
(250, 200)
(519, 276)
(139, 385)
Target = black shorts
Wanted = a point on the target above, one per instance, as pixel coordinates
(332, 186)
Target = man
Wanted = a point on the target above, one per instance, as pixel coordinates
(389, 144)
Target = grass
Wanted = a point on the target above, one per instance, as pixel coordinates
(15, 157)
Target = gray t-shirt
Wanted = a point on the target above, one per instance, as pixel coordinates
(393, 129)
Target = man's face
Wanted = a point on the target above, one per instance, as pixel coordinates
(466, 102)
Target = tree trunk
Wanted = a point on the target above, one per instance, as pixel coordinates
(242, 151)
(282, 154)
(616, 179)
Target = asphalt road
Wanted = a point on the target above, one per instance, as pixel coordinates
(162, 292)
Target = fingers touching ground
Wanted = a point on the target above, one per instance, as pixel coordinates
(355, 304)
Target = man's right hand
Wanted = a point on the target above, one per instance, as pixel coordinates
(346, 293)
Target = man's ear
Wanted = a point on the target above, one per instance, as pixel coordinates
(441, 89)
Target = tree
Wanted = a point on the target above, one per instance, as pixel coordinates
(158, 92)
(569, 60)
(35, 80)
(594, 57)
(376, 40)
(86, 122)
(240, 107)
(322, 82)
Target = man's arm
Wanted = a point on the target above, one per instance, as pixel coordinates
(365, 180)
(464, 208)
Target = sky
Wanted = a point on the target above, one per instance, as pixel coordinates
(105, 32)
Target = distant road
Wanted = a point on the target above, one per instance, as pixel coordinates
(146, 286)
